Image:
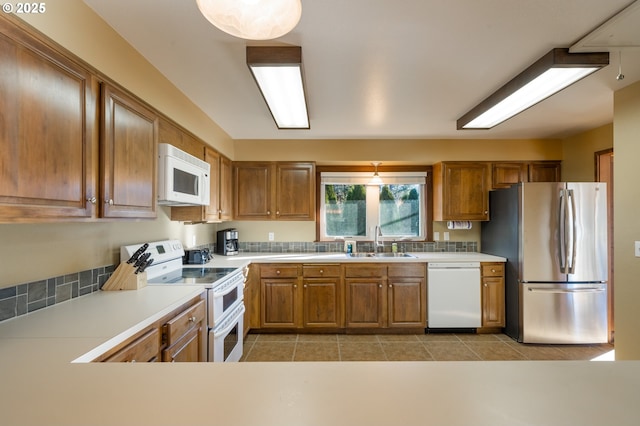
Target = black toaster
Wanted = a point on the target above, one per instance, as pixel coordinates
(196, 256)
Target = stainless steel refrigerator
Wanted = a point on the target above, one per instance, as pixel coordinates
(554, 236)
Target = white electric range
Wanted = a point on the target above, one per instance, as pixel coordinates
(225, 299)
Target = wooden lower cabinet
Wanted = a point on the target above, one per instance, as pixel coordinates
(279, 296)
(143, 349)
(185, 335)
(406, 299)
(321, 296)
(338, 296)
(492, 290)
(180, 336)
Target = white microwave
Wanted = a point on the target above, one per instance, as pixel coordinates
(183, 179)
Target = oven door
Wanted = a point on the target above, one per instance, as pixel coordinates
(225, 297)
(225, 341)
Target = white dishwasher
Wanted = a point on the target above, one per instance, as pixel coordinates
(453, 295)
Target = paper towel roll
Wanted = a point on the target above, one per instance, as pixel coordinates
(459, 224)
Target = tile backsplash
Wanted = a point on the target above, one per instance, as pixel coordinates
(24, 298)
(28, 297)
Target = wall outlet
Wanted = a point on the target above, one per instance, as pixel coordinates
(637, 248)
(446, 236)
(272, 236)
(436, 236)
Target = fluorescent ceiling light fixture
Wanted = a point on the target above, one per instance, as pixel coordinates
(278, 72)
(547, 76)
(252, 19)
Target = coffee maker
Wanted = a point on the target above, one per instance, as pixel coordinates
(227, 244)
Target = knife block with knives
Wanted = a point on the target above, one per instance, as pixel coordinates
(130, 275)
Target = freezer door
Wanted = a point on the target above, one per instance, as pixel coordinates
(563, 313)
(540, 232)
(588, 232)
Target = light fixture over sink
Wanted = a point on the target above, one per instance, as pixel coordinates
(252, 19)
(278, 72)
(376, 179)
(547, 76)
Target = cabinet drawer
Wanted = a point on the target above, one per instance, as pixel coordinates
(279, 271)
(365, 271)
(407, 270)
(492, 270)
(321, 270)
(184, 321)
(143, 349)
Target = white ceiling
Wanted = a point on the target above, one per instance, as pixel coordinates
(388, 68)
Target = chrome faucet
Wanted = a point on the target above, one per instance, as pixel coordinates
(377, 236)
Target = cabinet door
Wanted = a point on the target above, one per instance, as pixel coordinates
(407, 302)
(279, 305)
(461, 191)
(544, 172)
(295, 191)
(226, 189)
(48, 131)
(493, 309)
(503, 175)
(187, 349)
(129, 156)
(365, 302)
(321, 302)
(252, 191)
(212, 211)
(143, 349)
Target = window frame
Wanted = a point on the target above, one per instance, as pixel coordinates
(427, 199)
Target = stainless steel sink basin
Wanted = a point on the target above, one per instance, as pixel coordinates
(380, 255)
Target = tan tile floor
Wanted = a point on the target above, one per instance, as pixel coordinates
(426, 347)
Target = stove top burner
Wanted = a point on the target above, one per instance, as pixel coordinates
(204, 275)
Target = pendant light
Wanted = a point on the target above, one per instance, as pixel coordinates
(375, 179)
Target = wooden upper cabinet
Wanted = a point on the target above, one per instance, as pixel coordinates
(545, 171)
(48, 131)
(266, 190)
(461, 191)
(129, 155)
(295, 191)
(225, 202)
(503, 175)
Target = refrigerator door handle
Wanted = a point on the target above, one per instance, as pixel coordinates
(572, 259)
(562, 237)
(575, 290)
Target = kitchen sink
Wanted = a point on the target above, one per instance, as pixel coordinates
(380, 255)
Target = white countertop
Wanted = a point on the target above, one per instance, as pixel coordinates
(246, 258)
(41, 384)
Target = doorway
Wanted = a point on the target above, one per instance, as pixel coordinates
(604, 173)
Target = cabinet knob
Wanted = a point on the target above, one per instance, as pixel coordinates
(321, 271)
(485, 284)
(91, 200)
(486, 212)
(268, 212)
(380, 285)
(192, 319)
(278, 272)
(109, 201)
(133, 360)
(305, 286)
(295, 286)
(493, 270)
(390, 285)
(277, 213)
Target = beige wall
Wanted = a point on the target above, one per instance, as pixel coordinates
(578, 163)
(397, 151)
(626, 129)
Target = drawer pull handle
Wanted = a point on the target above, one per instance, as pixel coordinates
(277, 272)
(493, 270)
(192, 319)
(321, 271)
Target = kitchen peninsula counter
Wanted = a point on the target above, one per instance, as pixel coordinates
(42, 385)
